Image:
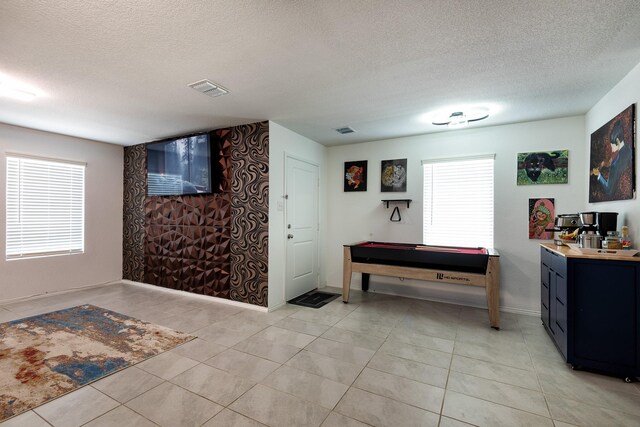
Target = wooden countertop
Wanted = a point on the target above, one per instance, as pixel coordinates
(566, 251)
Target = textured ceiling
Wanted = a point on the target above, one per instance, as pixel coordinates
(117, 71)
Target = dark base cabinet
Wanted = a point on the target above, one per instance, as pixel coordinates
(591, 309)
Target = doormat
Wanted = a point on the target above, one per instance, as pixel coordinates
(43, 357)
(314, 299)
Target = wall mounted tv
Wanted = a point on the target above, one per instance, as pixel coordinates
(184, 165)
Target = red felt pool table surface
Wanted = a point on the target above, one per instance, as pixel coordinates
(411, 246)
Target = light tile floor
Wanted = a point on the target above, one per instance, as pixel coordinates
(379, 360)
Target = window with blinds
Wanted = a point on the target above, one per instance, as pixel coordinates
(45, 207)
(458, 202)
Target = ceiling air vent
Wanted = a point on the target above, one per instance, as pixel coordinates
(209, 88)
(345, 130)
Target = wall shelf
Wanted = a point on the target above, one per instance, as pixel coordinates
(388, 201)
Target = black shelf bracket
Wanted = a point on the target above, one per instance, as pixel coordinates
(387, 201)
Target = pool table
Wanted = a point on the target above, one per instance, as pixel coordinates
(446, 264)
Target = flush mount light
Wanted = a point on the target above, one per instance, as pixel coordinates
(208, 88)
(459, 118)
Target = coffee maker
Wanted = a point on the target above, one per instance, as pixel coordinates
(589, 237)
(596, 225)
(606, 222)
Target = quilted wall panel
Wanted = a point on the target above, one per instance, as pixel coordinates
(187, 237)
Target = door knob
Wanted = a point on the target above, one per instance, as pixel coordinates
(289, 236)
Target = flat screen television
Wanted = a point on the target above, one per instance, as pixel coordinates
(184, 165)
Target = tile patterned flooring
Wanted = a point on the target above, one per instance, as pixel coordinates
(379, 360)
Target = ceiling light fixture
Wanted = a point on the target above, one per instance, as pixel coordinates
(9, 91)
(460, 118)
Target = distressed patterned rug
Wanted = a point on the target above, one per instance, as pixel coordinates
(45, 356)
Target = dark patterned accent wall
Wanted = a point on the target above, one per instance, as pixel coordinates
(194, 243)
(187, 237)
(250, 213)
(135, 167)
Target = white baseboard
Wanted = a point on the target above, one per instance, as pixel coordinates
(388, 290)
(522, 311)
(282, 304)
(203, 297)
(63, 291)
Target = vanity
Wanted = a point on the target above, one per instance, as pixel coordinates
(590, 307)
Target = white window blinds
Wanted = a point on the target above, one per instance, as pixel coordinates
(45, 207)
(458, 202)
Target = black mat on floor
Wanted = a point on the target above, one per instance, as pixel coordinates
(314, 299)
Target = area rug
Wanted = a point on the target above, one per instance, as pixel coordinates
(45, 356)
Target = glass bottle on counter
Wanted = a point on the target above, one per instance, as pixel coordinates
(626, 243)
(612, 241)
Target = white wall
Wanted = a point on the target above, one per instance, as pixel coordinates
(625, 93)
(284, 142)
(357, 216)
(102, 260)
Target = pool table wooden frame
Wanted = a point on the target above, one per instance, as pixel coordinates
(490, 280)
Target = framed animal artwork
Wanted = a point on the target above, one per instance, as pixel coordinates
(355, 176)
(541, 218)
(543, 167)
(612, 165)
(393, 175)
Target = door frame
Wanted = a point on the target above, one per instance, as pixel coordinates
(286, 262)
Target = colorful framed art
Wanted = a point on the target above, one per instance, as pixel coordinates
(541, 218)
(543, 167)
(355, 176)
(612, 166)
(393, 175)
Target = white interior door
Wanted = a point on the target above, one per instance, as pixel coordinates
(301, 227)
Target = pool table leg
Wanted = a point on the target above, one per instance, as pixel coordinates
(346, 274)
(493, 291)
(365, 282)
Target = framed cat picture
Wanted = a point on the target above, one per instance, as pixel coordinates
(393, 175)
(543, 167)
